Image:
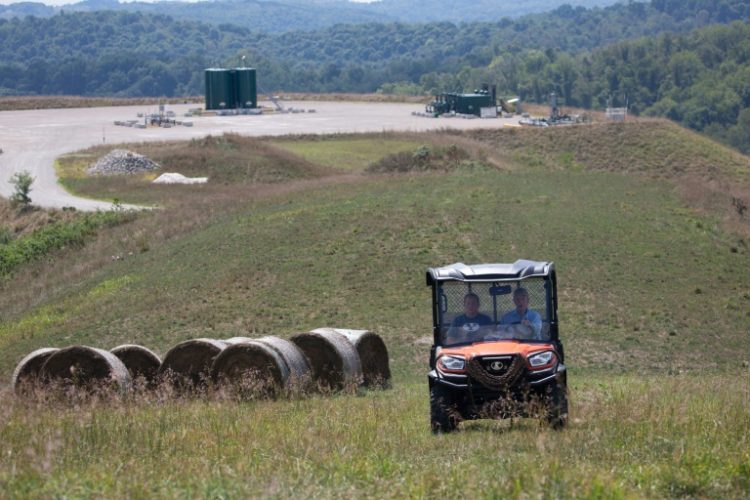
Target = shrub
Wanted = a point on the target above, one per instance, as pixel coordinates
(22, 182)
(425, 159)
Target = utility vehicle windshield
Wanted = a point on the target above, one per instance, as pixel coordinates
(480, 312)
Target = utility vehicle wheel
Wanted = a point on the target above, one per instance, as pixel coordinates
(557, 407)
(443, 417)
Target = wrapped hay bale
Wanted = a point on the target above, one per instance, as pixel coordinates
(140, 361)
(300, 373)
(251, 366)
(189, 362)
(333, 359)
(373, 355)
(28, 372)
(86, 367)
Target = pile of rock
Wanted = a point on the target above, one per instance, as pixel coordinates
(120, 161)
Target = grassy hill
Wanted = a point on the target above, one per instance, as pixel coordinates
(654, 306)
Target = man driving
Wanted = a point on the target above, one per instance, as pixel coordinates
(522, 315)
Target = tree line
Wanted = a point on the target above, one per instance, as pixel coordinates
(280, 16)
(588, 56)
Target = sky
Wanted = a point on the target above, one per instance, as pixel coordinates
(66, 2)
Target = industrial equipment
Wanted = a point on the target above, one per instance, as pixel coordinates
(556, 117)
(482, 102)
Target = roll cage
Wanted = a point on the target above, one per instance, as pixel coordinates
(497, 278)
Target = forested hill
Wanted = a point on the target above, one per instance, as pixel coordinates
(108, 53)
(700, 79)
(277, 16)
(411, 11)
(265, 16)
(135, 54)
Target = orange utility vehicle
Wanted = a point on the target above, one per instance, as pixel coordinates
(497, 351)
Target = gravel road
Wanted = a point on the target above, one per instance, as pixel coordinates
(31, 140)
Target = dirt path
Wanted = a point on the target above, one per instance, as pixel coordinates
(32, 140)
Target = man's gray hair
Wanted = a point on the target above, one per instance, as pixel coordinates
(520, 291)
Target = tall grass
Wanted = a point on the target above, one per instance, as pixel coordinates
(629, 436)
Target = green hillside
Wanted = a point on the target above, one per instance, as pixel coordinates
(134, 54)
(654, 308)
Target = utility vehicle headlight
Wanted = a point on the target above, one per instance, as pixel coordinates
(541, 359)
(452, 363)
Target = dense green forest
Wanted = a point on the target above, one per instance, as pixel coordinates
(135, 54)
(277, 16)
(588, 56)
(700, 79)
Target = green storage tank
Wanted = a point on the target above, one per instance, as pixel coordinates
(220, 89)
(246, 88)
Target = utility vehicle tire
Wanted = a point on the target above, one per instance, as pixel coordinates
(557, 407)
(443, 416)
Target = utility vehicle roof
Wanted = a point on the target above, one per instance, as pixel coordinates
(488, 272)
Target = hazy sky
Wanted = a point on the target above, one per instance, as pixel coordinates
(65, 2)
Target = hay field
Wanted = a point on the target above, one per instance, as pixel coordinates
(655, 310)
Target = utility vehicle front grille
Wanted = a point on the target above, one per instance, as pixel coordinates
(497, 366)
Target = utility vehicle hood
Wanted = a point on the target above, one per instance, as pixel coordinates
(498, 348)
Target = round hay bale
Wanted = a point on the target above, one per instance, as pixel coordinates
(373, 355)
(189, 362)
(27, 374)
(300, 373)
(251, 367)
(86, 367)
(140, 361)
(333, 359)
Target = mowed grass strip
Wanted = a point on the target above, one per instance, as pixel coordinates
(629, 436)
(644, 283)
(352, 154)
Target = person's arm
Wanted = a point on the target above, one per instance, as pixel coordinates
(536, 323)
